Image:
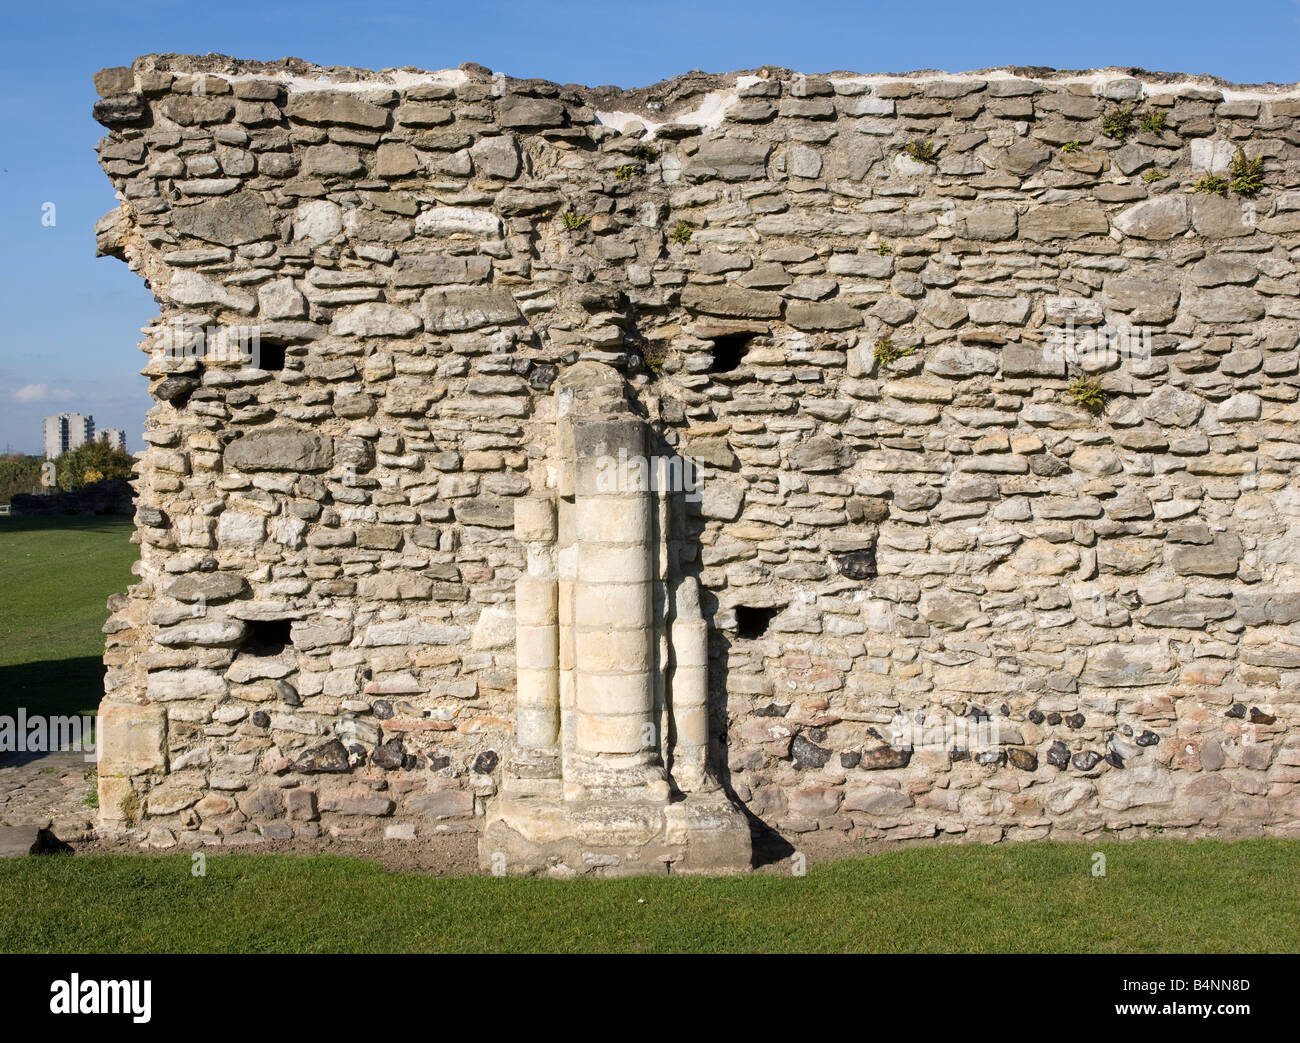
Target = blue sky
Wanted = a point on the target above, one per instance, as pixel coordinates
(71, 321)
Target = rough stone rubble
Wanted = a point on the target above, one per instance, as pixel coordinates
(322, 636)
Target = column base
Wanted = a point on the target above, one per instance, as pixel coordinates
(542, 836)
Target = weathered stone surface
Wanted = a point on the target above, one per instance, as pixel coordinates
(232, 220)
(731, 302)
(1144, 300)
(734, 160)
(1218, 558)
(1160, 218)
(1063, 221)
(279, 449)
(468, 309)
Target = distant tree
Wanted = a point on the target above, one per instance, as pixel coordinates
(18, 474)
(90, 463)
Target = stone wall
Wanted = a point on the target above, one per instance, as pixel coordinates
(845, 298)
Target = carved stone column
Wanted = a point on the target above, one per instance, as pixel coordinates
(612, 660)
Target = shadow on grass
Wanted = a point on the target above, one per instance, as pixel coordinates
(55, 688)
(104, 523)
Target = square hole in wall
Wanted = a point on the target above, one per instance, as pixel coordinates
(729, 351)
(266, 637)
(752, 621)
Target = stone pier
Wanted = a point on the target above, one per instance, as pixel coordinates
(610, 803)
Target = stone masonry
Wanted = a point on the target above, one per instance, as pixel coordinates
(982, 390)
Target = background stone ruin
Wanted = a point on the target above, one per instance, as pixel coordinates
(843, 298)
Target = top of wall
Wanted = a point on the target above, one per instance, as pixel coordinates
(697, 98)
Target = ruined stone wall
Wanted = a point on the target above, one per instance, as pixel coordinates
(844, 297)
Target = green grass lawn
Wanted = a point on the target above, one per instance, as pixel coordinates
(55, 576)
(1157, 896)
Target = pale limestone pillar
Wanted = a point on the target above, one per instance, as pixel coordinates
(690, 688)
(613, 600)
(537, 664)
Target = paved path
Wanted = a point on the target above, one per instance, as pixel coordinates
(47, 790)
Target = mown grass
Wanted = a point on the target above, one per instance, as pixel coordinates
(1157, 896)
(55, 576)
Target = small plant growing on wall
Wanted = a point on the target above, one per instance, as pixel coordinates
(1153, 122)
(1072, 146)
(1119, 123)
(1247, 175)
(886, 353)
(682, 233)
(923, 152)
(884, 249)
(1211, 184)
(1088, 393)
(626, 172)
(647, 153)
(655, 356)
(1152, 176)
(573, 221)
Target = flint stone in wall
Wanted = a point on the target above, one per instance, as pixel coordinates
(329, 757)
(232, 220)
(877, 800)
(731, 302)
(469, 309)
(119, 79)
(1064, 221)
(1160, 218)
(442, 804)
(336, 107)
(279, 449)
